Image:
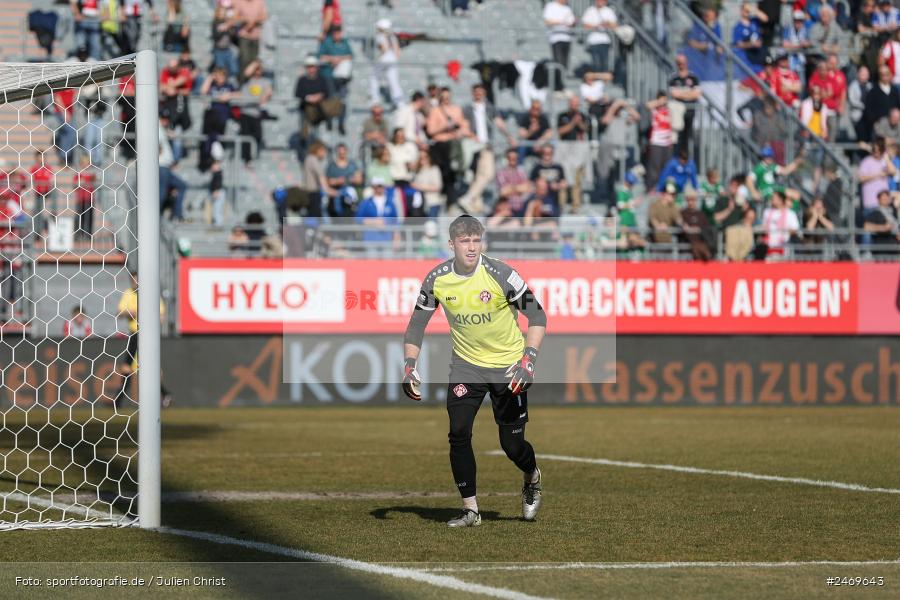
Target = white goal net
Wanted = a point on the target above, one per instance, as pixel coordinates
(78, 191)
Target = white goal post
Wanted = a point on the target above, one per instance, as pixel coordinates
(79, 218)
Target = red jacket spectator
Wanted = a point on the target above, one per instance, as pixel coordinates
(41, 177)
(86, 181)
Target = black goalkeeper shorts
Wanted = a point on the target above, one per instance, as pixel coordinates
(470, 383)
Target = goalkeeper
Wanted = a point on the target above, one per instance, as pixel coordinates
(481, 297)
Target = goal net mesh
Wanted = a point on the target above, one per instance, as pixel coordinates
(68, 245)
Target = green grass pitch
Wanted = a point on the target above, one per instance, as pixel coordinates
(378, 489)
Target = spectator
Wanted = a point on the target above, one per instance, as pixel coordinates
(664, 216)
(886, 18)
(221, 91)
(513, 183)
(815, 115)
(662, 138)
(873, 173)
(86, 182)
(533, 127)
(832, 86)
(864, 20)
(331, 17)
(216, 193)
(428, 182)
(255, 94)
(826, 35)
(881, 223)
(780, 224)
(375, 128)
(254, 225)
(705, 55)
(411, 117)
(43, 183)
(430, 245)
(856, 99)
(387, 48)
(573, 125)
(817, 219)
(711, 189)
(446, 126)
(680, 171)
(599, 21)
(834, 192)
(224, 54)
(65, 134)
(768, 128)
(592, 91)
(483, 120)
(404, 155)
(336, 59)
(176, 83)
(559, 19)
(177, 35)
(250, 16)
(169, 181)
(553, 175)
(574, 129)
(879, 101)
(730, 216)
(747, 38)
(889, 127)
(87, 26)
(238, 240)
(764, 177)
(315, 183)
(890, 56)
(684, 87)
(626, 203)
(343, 171)
(133, 11)
(697, 228)
(795, 41)
(787, 84)
(542, 209)
(380, 166)
(78, 325)
(312, 92)
(378, 213)
(503, 217)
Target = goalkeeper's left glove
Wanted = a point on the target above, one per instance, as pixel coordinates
(411, 381)
(521, 374)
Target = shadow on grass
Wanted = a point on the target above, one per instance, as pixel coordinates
(441, 515)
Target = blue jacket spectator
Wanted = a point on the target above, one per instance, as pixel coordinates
(379, 211)
(680, 171)
(704, 56)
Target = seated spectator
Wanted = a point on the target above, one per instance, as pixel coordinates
(535, 128)
(886, 18)
(815, 115)
(826, 35)
(430, 245)
(78, 325)
(336, 58)
(863, 20)
(375, 128)
(311, 91)
(592, 91)
(747, 37)
(878, 102)
(542, 209)
(664, 216)
(427, 182)
(552, 174)
(177, 35)
(711, 189)
(404, 156)
(411, 117)
(780, 223)
(787, 84)
(817, 219)
(882, 223)
(698, 231)
(626, 202)
(599, 21)
(238, 240)
(503, 217)
(889, 127)
(255, 95)
(573, 125)
(447, 126)
(680, 170)
(169, 181)
(378, 212)
(873, 174)
(342, 170)
(795, 41)
(380, 166)
(513, 183)
(255, 228)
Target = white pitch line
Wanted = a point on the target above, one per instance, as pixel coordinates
(666, 565)
(839, 485)
(442, 581)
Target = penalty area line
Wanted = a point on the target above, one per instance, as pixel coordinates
(668, 565)
(838, 485)
(443, 581)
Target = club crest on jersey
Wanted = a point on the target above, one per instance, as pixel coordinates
(485, 296)
(460, 390)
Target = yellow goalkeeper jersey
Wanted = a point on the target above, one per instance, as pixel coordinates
(484, 324)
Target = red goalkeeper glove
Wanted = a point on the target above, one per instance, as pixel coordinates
(521, 374)
(411, 381)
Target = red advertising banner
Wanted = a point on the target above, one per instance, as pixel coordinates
(357, 296)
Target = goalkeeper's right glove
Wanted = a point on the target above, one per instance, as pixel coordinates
(411, 380)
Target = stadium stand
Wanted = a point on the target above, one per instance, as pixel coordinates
(670, 131)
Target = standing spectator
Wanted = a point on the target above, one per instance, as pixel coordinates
(864, 19)
(856, 99)
(177, 35)
(680, 171)
(890, 56)
(764, 177)
(223, 52)
(768, 128)
(87, 26)
(697, 228)
(705, 55)
(411, 118)
(684, 87)
(882, 223)
(86, 182)
(662, 138)
(133, 11)
(552, 173)
(513, 183)
(533, 127)
(786, 85)
(446, 126)
(312, 92)
(889, 127)
(599, 21)
(387, 49)
(429, 183)
(331, 17)
(404, 157)
(221, 91)
(559, 19)
(574, 129)
(78, 325)
(216, 193)
(780, 224)
(315, 184)
(795, 41)
(43, 183)
(483, 120)
(664, 216)
(343, 171)
(169, 180)
(337, 67)
(730, 217)
(255, 94)
(816, 116)
(375, 128)
(879, 101)
(176, 83)
(873, 174)
(817, 218)
(837, 100)
(250, 15)
(380, 166)
(746, 38)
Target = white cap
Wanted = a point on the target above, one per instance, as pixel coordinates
(378, 180)
(799, 15)
(383, 24)
(431, 228)
(311, 61)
